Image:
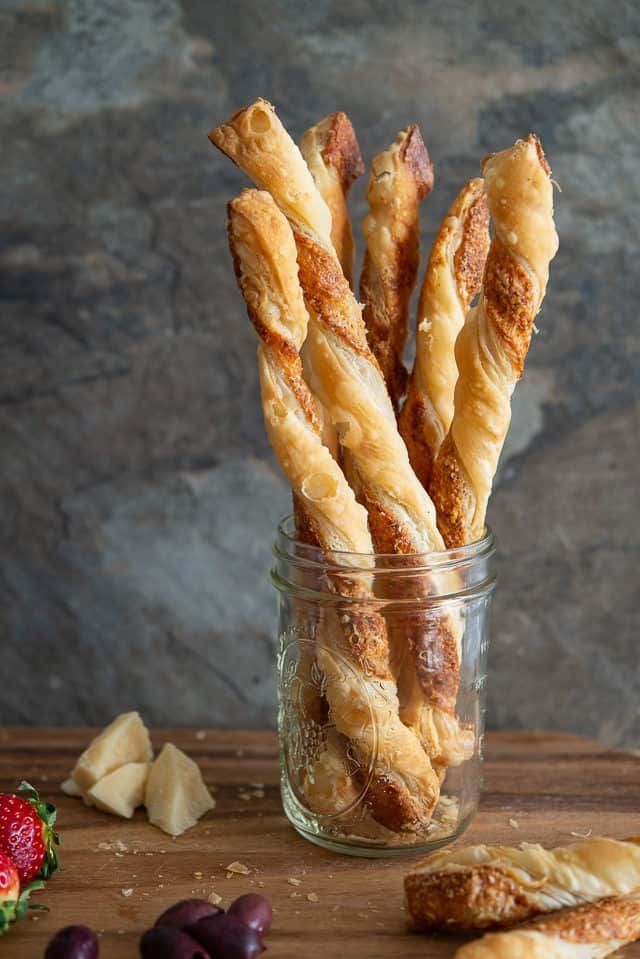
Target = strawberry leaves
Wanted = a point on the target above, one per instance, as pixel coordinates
(13, 910)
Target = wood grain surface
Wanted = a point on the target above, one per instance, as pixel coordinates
(538, 787)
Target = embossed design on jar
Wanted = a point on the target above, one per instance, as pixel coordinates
(317, 759)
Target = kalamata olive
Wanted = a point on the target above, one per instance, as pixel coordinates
(254, 911)
(227, 938)
(187, 912)
(73, 942)
(167, 942)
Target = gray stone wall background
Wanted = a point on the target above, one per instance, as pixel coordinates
(138, 494)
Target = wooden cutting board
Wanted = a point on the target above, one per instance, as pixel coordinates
(539, 787)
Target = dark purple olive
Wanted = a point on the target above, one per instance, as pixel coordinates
(227, 938)
(167, 942)
(187, 912)
(254, 911)
(73, 942)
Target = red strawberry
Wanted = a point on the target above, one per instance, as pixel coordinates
(27, 834)
(13, 903)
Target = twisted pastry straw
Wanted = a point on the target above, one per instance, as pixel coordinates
(349, 384)
(484, 887)
(404, 789)
(446, 741)
(452, 279)
(494, 341)
(331, 151)
(590, 931)
(401, 177)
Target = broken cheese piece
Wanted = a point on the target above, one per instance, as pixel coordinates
(70, 788)
(176, 796)
(121, 791)
(125, 740)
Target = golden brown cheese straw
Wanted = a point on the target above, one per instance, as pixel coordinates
(494, 341)
(453, 278)
(331, 151)
(348, 382)
(589, 931)
(346, 376)
(484, 887)
(404, 788)
(401, 177)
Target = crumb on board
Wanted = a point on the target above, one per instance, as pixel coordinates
(313, 897)
(293, 881)
(237, 868)
(514, 824)
(214, 898)
(582, 835)
(115, 845)
(126, 893)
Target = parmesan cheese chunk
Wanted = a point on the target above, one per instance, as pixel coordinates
(176, 796)
(121, 791)
(125, 740)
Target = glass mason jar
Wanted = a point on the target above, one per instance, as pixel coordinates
(381, 690)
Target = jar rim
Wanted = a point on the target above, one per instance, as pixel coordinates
(300, 553)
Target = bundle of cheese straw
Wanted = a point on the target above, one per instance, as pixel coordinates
(380, 459)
